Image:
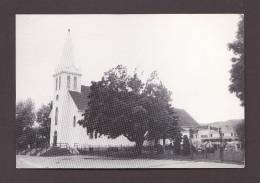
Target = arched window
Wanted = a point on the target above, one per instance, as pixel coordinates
(56, 86)
(59, 81)
(75, 83)
(56, 115)
(57, 97)
(74, 121)
(68, 82)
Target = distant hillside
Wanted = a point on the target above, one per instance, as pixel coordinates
(185, 119)
(225, 124)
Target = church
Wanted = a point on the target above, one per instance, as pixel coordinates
(70, 99)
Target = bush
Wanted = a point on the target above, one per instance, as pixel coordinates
(186, 145)
(177, 143)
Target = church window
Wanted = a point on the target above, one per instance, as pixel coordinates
(74, 121)
(75, 83)
(59, 81)
(56, 84)
(68, 82)
(56, 115)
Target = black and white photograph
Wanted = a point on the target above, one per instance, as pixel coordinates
(129, 91)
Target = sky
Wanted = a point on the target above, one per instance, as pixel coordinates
(188, 51)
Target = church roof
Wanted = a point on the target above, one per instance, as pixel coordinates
(81, 98)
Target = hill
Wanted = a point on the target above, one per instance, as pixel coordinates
(185, 119)
(225, 124)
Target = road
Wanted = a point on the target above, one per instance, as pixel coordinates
(99, 162)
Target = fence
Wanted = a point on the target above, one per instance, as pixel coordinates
(151, 152)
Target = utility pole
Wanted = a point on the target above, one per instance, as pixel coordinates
(221, 145)
(191, 149)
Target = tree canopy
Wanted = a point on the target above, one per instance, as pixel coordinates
(122, 104)
(44, 122)
(26, 132)
(237, 70)
(25, 118)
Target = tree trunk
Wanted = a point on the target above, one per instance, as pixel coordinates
(164, 139)
(156, 141)
(139, 145)
(164, 143)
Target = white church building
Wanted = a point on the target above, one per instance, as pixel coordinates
(70, 99)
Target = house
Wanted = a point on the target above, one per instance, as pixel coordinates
(70, 100)
(215, 134)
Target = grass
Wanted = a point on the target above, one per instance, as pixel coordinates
(129, 153)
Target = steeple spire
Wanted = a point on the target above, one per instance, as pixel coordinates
(67, 57)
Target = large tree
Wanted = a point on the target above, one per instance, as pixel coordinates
(43, 120)
(121, 104)
(25, 118)
(237, 70)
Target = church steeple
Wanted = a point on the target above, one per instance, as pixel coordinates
(67, 76)
(67, 57)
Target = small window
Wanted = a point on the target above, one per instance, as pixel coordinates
(59, 82)
(74, 121)
(75, 83)
(57, 97)
(96, 135)
(68, 82)
(211, 135)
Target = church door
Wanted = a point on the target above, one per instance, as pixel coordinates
(55, 138)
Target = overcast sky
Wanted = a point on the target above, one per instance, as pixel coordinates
(188, 51)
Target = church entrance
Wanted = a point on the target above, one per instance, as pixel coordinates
(55, 138)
